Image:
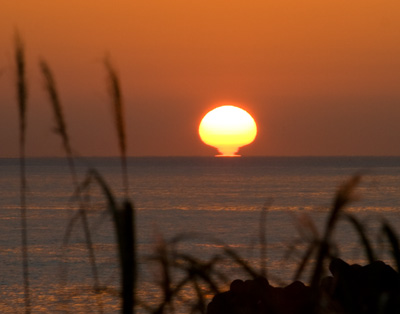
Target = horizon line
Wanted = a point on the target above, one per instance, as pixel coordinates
(207, 156)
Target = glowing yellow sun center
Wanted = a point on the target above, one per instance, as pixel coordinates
(227, 128)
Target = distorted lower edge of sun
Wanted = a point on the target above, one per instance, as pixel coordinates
(227, 128)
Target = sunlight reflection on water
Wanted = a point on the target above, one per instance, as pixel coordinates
(207, 200)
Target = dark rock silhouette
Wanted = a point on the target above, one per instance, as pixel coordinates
(355, 289)
(370, 289)
(258, 296)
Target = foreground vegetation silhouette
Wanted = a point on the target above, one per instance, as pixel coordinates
(373, 288)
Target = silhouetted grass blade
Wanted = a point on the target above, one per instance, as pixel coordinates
(22, 101)
(394, 243)
(342, 198)
(61, 129)
(124, 226)
(118, 111)
(366, 243)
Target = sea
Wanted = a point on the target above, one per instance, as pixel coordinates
(221, 213)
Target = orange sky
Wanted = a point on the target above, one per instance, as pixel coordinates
(319, 77)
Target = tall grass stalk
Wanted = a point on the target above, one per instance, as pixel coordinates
(118, 112)
(263, 240)
(365, 242)
(343, 197)
(308, 234)
(61, 129)
(22, 101)
(181, 272)
(125, 217)
(394, 243)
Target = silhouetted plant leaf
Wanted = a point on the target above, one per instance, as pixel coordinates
(22, 102)
(394, 243)
(344, 195)
(365, 242)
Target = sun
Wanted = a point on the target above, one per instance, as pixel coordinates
(227, 128)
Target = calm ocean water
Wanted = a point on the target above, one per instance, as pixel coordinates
(209, 200)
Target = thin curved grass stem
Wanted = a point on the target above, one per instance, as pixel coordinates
(61, 129)
(118, 111)
(22, 101)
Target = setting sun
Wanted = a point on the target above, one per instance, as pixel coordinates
(227, 128)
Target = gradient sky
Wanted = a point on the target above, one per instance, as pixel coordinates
(319, 77)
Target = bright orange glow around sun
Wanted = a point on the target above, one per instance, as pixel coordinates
(228, 128)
